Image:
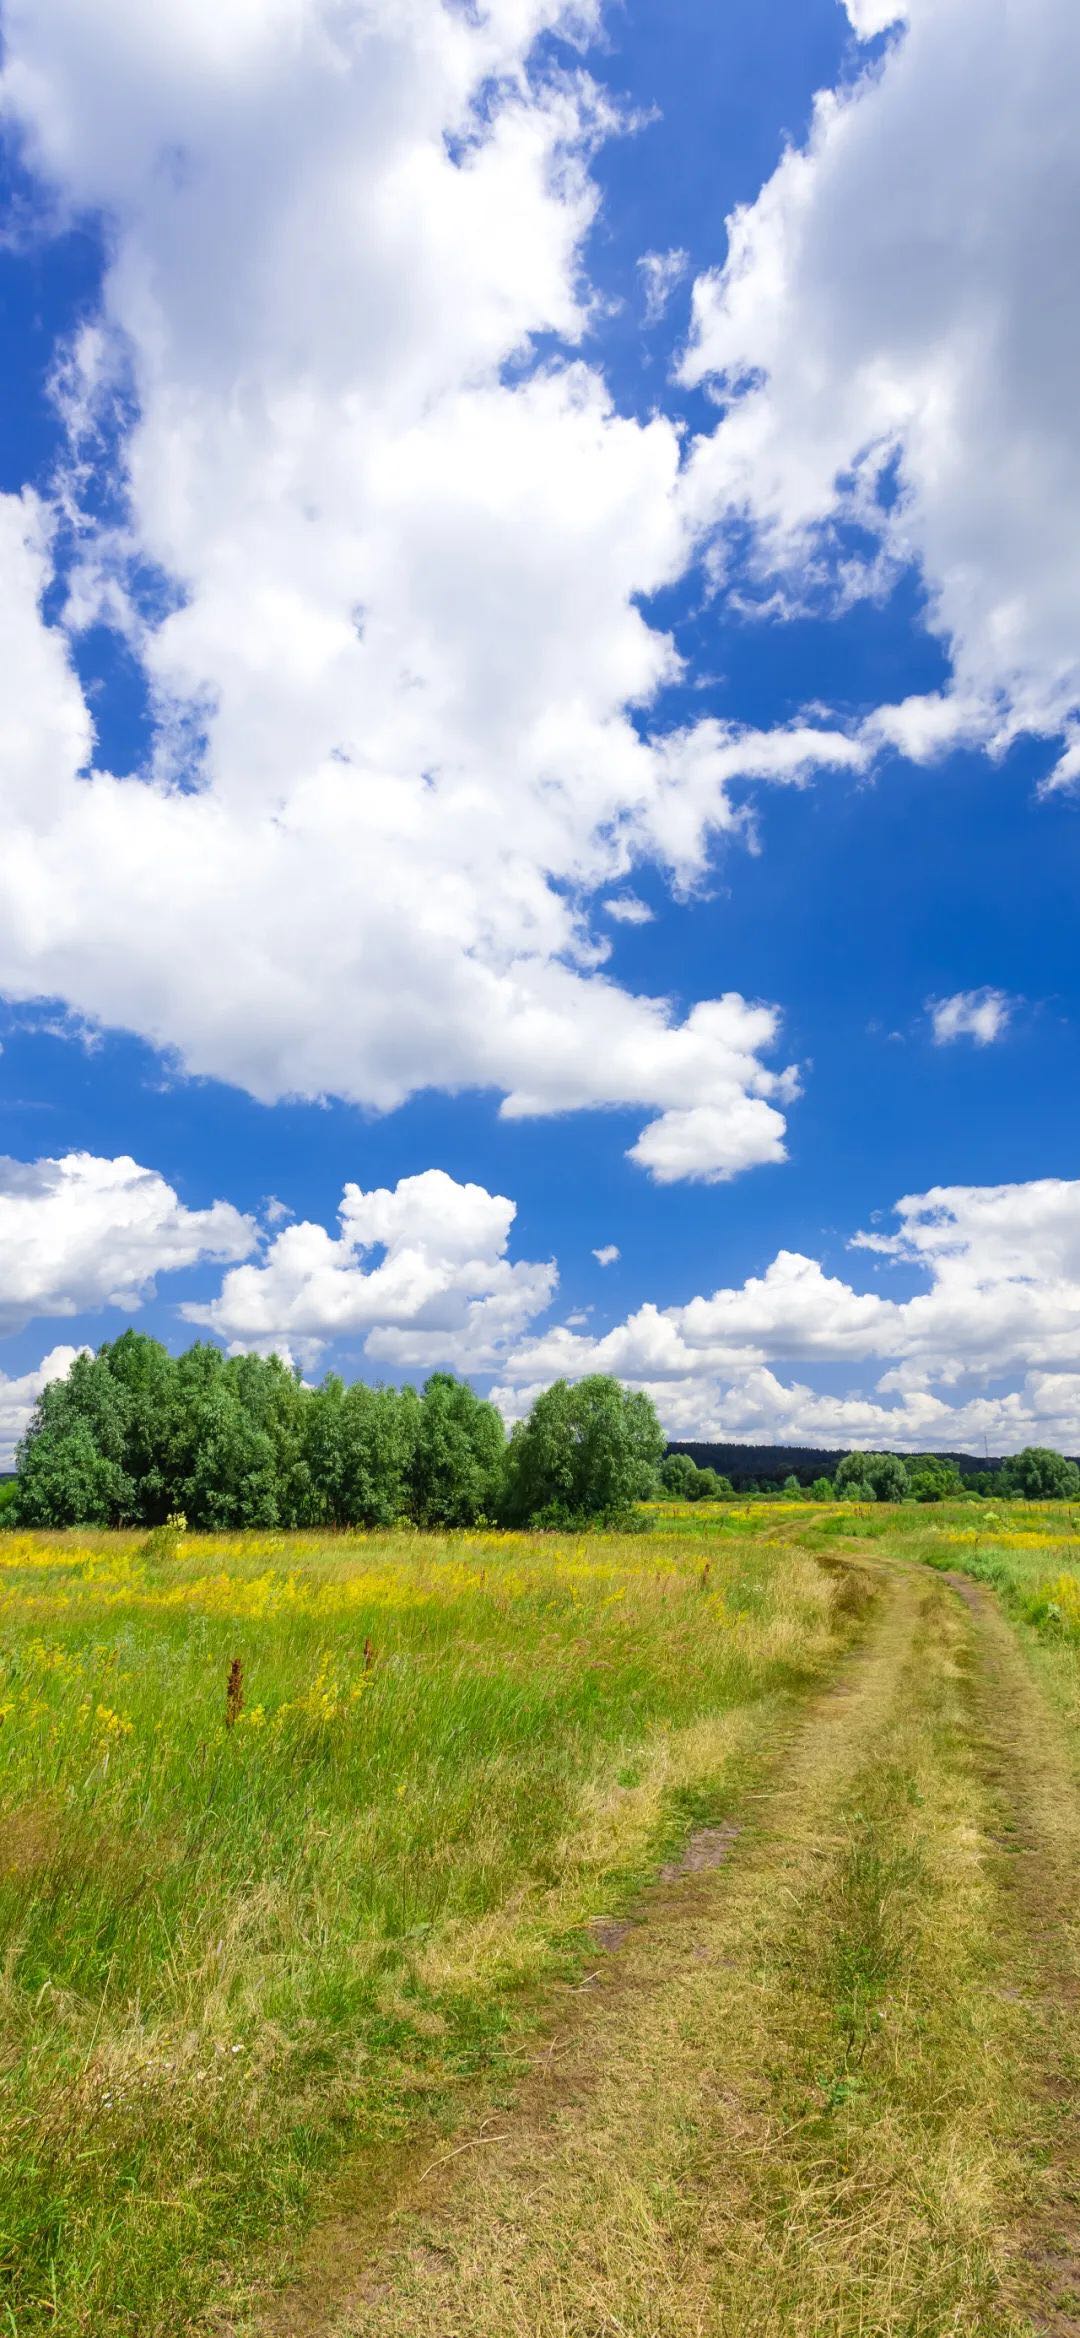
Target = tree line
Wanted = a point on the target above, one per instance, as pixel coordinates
(1038, 1474)
(135, 1435)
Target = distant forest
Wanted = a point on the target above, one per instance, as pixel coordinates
(748, 1466)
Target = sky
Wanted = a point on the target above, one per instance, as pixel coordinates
(540, 701)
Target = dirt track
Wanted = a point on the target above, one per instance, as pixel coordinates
(825, 2083)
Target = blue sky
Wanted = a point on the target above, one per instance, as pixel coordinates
(464, 469)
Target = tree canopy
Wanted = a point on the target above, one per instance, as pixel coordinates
(1039, 1475)
(589, 1449)
(135, 1435)
(871, 1477)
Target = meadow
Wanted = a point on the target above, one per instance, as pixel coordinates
(297, 1833)
(291, 1828)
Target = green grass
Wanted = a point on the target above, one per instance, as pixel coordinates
(238, 1952)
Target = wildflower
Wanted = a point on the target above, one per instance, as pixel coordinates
(111, 1724)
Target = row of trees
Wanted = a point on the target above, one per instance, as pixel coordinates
(134, 1435)
(1035, 1475)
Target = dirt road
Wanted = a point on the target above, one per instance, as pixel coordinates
(825, 2084)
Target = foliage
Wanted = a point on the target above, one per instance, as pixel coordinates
(588, 1450)
(681, 1478)
(930, 1478)
(1039, 1475)
(457, 1463)
(135, 1436)
(873, 1477)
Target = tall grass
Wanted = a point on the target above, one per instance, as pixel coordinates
(287, 1826)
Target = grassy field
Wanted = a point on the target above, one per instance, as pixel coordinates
(242, 1939)
(308, 1851)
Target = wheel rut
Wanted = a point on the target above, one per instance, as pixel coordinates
(1032, 1768)
(775, 2103)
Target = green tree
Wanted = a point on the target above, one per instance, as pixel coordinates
(822, 1490)
(360, 1450)
(792, 1487)
(588, 1450)
(224, 1463)
(1040, 1475)
(884, 1473)
(143, 1370)
(275, 1402)
(71, 1461)
(679, 1474)
(930, 1478)
(712, 1486)
(455, 1474)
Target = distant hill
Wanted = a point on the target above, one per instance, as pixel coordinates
(771, 1464)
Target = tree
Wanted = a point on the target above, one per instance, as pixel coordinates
(587, 1451)
(455, 1473)
(679, 1475)
(146, 1374)
(224, 1470)
(822, 1490)
(712, 1486)
(930, 1478)
(792, 1487)
(71, 1461)
(275, 1402)
(883, 1473)
(1040, 1475)
(360, 1450)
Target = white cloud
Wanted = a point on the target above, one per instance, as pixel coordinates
(660, 272)
(626, 909)
(873, 16)
(1002, 1264)
(442, 1291)
(899, 310)
(80, 1233)
(607, 1254)
(981, 1015)
(19, 1395)
(405, 571)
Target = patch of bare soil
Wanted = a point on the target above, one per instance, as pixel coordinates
(706, 1850)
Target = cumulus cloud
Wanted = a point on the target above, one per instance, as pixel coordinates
(981, 1015)
(396, 652)
(441, 1289)
(18, 1396)
(607, 1254)
(80, 1233)
(894, 338)
(1002, 1266)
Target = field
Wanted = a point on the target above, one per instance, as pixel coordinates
(636, 1936)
